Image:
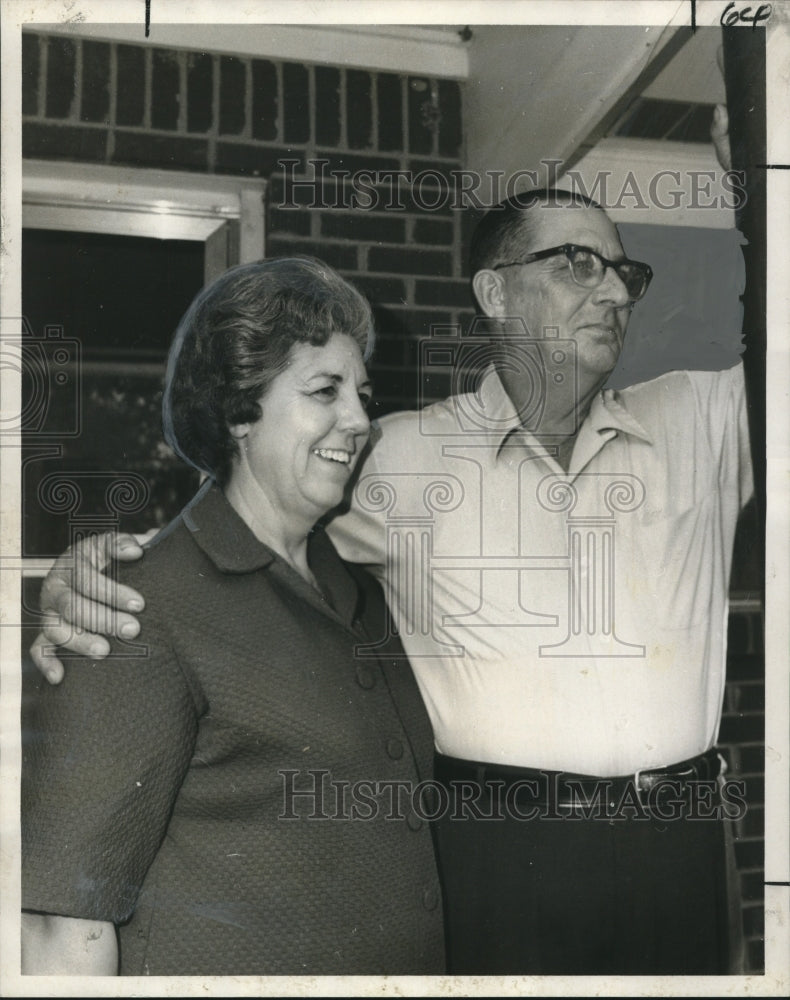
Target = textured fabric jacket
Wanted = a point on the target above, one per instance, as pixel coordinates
(235, 788)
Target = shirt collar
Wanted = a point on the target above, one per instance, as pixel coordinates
(230, 544)
(224, 537)
(337, 584)
(608, 412)
(499, 418)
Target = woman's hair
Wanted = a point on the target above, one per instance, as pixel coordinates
(236, 338)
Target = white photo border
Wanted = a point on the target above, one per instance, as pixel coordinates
(131, 13)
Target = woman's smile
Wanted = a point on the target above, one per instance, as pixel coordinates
(334, 455)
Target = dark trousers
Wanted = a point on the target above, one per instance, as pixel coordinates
(559, 895)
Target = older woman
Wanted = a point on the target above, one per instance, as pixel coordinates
(225, 793)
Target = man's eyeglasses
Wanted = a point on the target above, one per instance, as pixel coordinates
(588, 268)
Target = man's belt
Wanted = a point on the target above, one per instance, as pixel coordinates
(564, 789)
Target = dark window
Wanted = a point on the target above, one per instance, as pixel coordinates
(100, 313)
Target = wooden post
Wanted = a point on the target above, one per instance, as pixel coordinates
(744, 75)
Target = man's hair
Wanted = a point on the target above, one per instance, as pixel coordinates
(507, 230)
(236, 338)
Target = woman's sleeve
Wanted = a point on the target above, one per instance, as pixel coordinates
(104, 755)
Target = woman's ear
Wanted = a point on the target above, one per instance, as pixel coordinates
(239, 431)
(489, 289)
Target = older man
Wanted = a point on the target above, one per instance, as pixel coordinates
(556, 557)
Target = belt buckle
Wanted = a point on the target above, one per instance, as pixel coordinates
(659, 774)
(637, 779)
(667, 773)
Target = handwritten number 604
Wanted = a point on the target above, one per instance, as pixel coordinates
(732, 16)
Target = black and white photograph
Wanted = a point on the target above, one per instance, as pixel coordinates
(493, 300)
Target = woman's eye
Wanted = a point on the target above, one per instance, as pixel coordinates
(365, 398)
(326, 392)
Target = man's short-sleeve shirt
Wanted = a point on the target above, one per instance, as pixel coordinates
(569, 621)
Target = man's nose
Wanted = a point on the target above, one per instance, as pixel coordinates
(612, 288)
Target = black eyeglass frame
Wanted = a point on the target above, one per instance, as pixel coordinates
(570, 248)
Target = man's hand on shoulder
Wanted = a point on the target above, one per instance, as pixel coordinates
(82, 606)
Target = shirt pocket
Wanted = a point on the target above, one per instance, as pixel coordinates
(675, 561)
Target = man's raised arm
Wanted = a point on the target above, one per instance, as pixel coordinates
(82, 605)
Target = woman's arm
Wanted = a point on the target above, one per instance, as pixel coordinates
(67, 946)
(104, 757)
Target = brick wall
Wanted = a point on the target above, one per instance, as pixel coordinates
(137, 105)
(100, 102)
(742, 737)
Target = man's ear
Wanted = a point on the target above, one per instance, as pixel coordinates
(489, 289)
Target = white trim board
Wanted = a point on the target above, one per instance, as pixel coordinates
(397, 48)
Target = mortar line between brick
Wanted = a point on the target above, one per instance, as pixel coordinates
(181, 124)
(211, 158)
(312, 99)
(247, 130)
(343, 109)
(374, 111)
(435, 119)
(111, 116)
(43, 58)
(147, 86)
(76, 100)
(280, 119)
(404, 120)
